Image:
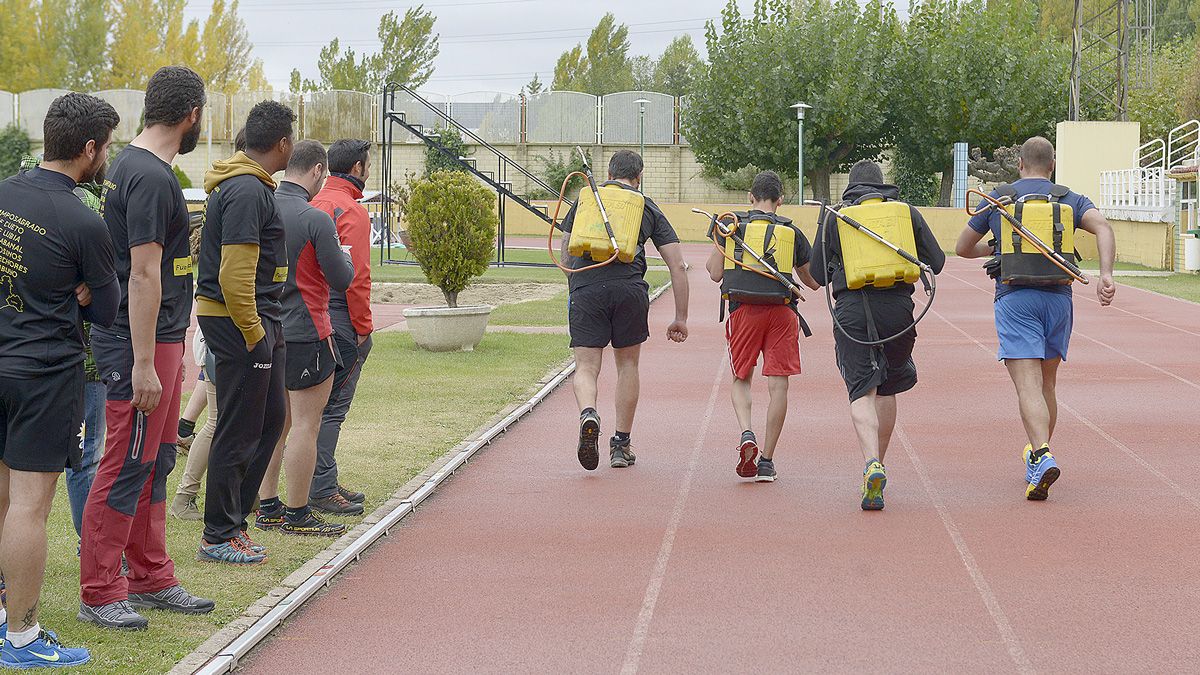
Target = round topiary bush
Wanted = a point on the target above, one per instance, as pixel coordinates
(452, 225)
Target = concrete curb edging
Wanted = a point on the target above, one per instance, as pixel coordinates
(223, 650)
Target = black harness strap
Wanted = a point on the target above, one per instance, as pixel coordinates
(1016, 236)
(1058, 227)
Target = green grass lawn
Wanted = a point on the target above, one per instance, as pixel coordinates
(411, 407)
(553, 311)
(1185, 286)
(412, 273)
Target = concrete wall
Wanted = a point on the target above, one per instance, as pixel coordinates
(1084, 149)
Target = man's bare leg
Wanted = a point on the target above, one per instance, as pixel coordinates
(587, 372)
(23, 542)
(776, 413)
(301, 454)
(1049, 382)
(864, 413)
(885, 410)
(743, 402)
(628, 386)
(1026, 375)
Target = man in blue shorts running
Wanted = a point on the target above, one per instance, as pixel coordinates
(1033, 323)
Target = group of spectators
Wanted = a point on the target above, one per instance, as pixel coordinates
(99, 272)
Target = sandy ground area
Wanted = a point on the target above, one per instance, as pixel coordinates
(476, 294)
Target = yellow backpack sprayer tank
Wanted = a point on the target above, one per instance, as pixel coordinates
(589, 235)
(869, 262)
(1037, 237)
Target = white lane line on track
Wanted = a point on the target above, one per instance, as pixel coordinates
(1120, 352)
(1015, 651)
(1178, 489)
(633, 654)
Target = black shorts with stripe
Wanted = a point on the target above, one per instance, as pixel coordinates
(309, 364)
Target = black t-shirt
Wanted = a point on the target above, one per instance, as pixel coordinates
(142, 203)
(242, 210)
(655, 227)
(49, 244)
(801, 255)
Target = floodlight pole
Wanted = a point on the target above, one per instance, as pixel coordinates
(642, 137)
(800, 108)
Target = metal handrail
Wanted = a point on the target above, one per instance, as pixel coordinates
(393, 86)
(1152, 155)
(1183, 144)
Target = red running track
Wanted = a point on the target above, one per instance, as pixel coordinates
(524, 562)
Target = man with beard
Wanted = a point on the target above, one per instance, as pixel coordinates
(141, 361)
(54, 250)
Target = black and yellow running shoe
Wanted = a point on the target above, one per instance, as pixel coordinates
(874, 480)
(311, 525)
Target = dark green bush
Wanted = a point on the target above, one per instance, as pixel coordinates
(452, 226)
(14, 144)
(436, 160)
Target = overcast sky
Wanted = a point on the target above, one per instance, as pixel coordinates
(486, 45)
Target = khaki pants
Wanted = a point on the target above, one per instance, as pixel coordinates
(197, 461)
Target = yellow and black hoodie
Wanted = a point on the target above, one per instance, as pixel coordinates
(243, 255)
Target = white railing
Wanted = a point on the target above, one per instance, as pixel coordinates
(1183, 145)
(1138, 194)
(1152, 155)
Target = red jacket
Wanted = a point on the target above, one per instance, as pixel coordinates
(339, 198)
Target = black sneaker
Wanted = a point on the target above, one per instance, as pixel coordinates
(312, 525)
(120, 615)
(620, 455)
(589, 440)
(337, 505)
(268, 520)
(174, 599)
(350, 495)
(766, 471)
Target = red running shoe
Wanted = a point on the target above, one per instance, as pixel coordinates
(748, 456)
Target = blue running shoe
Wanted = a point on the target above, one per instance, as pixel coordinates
(1027, 455)
(44, 652)
(232, 552)
(1043, 471)
(874, 480)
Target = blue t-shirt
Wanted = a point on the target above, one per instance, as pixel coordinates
(990, 221)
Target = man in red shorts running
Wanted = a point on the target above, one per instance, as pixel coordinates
(762, 316)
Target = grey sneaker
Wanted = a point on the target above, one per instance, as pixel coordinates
(766, 471)
(118, 615)
(620, 456)
(589, 440)
(184, 507)
(174, 599)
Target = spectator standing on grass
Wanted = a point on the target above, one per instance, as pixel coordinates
(141, 361)
(79, 483)
(184, 506)
(243, 266)
(56, 270)
(350, 314)
(316, 263)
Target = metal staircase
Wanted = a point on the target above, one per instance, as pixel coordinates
(395, 118)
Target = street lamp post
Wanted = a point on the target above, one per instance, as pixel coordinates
(642, 136)
(800, 108)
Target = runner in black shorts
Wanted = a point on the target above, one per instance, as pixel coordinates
(873, 374)
(609, 306)
(316, 262)
(56, 270)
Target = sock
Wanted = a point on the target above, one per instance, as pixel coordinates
(295, 514)
(870, 462)
(748, 435)
(23, 638)
(621, 438)
(270, 505)
(1042, 450)
(186, 427)
(588, 411)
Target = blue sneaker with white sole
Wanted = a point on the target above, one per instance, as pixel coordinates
(1041, 472)
(44, 652)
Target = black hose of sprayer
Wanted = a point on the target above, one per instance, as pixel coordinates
(591, 181)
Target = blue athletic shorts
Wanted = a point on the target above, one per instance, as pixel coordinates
(1034, 324)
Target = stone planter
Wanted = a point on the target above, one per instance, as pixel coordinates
(447, 329)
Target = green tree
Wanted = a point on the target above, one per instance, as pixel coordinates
(847, 75)
(224, 49)
(976, 72)
(603, 67)
(295, 83)
(1160, 105)
(136, 44)
(343, 70)
(256, 79)
(85, 46)
(534, 87)
(436, 160)
(409, 49)
(14, 144)
(643, 72)
(676, 69)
